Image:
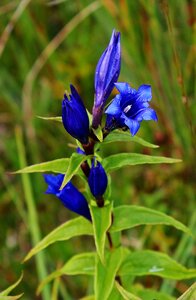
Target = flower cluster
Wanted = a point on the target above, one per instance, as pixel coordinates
(127, 110)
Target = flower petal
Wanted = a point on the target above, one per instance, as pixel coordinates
(132, 124)
(114, 107)
(69, 195)
(146, 114)
(124, 88)
(107, 70)
(144, 93)
(54, 182)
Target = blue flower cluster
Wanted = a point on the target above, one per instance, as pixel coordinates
(127, 110)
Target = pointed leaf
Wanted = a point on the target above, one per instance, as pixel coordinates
(122, 136)
(101, 217)
(120, 160)
(190, 294)
(83, 263)
(76, 227)
(149, 294)
(56, 166)
(146, 262)
(129, 216)
(10, 288)
(98, 133)
(11, 297)
(125, 294)
(105, 274)
(115, 295)
(74, 164)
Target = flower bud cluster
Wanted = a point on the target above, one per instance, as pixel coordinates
(127, 110)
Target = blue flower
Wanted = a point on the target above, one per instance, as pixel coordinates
(69, 195)
(75, 118)
(106, 74)
(130, 107)
(97, 180)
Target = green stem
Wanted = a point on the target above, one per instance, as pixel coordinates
(32, 214)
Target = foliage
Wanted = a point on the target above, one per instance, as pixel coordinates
(157, 49)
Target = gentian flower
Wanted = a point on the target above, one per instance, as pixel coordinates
(106, 74)
(75, 118)
(97, 179)
(69, 195)
(130, 107)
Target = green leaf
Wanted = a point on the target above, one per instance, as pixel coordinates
(10, 297)
(105, 274)
(76, 227)
(5, 293)
(101, 217)
(190, 294)
(83, 263)
(146, 262)
(149, 294)
(56, 166)
(122, 136)
(120, 160)
(74, 164)
(98, 133)
(115, 295)
(125, 294)
(129, 216)
(57, 119)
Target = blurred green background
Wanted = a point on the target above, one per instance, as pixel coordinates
(46, 45)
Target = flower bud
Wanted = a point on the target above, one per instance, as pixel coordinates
(75, 118)
(106, 74)
(69, 195)
(97, 180)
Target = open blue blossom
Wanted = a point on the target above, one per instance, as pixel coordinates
(97, 179)
(130, 107)
(75, 118)
(106, 74)
(69, 195)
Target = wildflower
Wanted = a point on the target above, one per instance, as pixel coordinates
(130, 107)
(75, 118)
(106, 74)
(69, 195)
(97, 180)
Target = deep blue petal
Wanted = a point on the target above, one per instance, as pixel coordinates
(54, 182)
(69, 195)
(114, 108)
(124, 88)
(97, 180)
(132, 124)
(144, 93)
(74, 200)
(107, 70)
(75, 118)
(146, 114)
